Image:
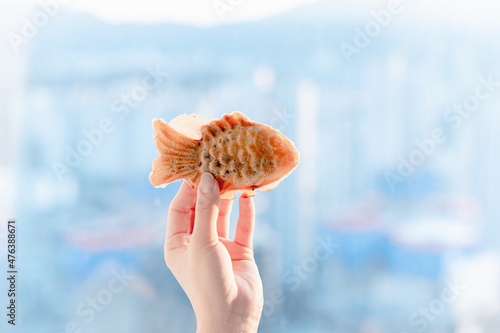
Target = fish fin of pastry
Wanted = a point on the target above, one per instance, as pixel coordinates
(189, 125)
(178, 155)
(247, 193)
(228, 195)
(273, 185)
(232, 194)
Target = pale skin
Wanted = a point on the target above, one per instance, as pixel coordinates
(219, 275)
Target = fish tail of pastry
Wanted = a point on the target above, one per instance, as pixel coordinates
(178, 156)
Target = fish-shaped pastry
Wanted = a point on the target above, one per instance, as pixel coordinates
(241, 154)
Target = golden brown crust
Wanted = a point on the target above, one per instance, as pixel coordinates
(241, 154)
(177, 156)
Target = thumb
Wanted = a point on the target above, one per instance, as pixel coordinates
(207, 210)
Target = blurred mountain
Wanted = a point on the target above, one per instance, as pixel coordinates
(66, 45)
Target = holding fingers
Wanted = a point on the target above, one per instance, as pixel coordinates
(219, 276)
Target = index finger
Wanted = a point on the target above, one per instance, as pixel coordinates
(246, 223)
(223, 219)
(179, 211)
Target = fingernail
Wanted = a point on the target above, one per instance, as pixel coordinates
(207, 183)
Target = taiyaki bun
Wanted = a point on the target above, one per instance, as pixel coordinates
(241, 154)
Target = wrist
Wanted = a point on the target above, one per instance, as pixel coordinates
(234, 327)
(229, 323)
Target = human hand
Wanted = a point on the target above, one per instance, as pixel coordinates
(219, 276)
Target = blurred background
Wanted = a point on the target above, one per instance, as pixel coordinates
(388, 225)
